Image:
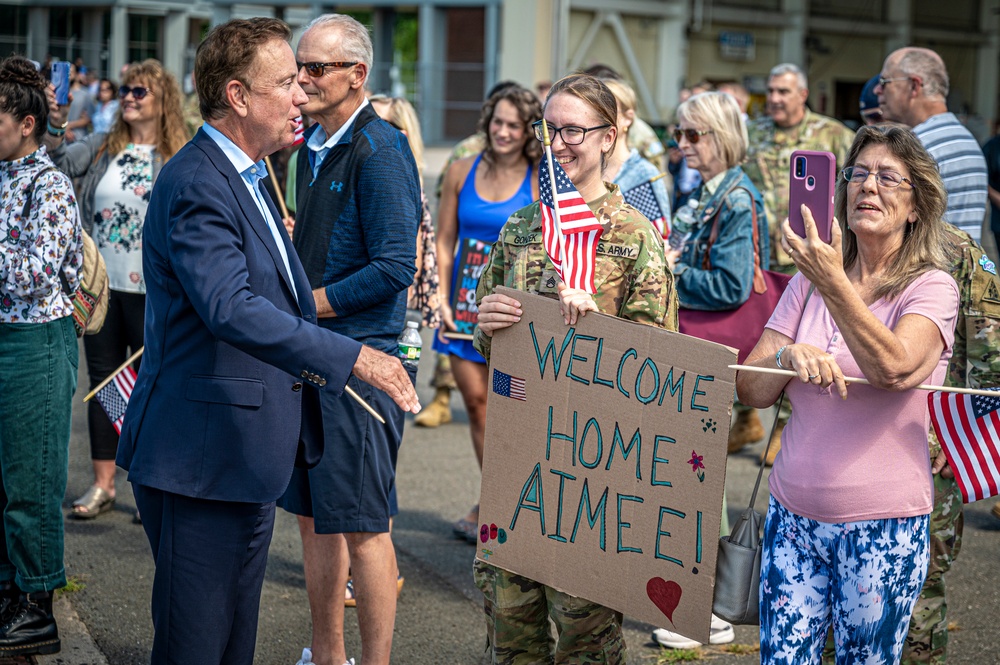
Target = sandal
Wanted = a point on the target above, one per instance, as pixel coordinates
(95, 501)
(350, 600)
(465, 529)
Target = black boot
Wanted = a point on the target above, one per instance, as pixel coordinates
(31, 628)
(10, 595)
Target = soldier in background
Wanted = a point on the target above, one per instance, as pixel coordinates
(975, 363)
(788, 126)
(641, 136)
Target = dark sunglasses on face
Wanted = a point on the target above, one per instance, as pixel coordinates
(317, 69)
(138, 92)
(692, 135)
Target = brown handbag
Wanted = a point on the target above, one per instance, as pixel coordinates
(741, 327)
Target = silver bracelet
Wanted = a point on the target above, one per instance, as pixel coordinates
(777, 357)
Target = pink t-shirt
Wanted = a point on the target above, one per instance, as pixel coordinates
(865, 457)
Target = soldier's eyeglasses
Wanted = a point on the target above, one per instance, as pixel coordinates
(317, 69)
(570, 135)
(692, 135)
(858, 175)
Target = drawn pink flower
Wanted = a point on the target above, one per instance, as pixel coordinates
(140, 191)
(696, 461)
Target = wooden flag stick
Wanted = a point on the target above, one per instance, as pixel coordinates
(657, 177)
(851, 379)
(547, 143)
(113, 374)
(365, 404)
(277, 189)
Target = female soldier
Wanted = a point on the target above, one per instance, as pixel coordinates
(581, 114)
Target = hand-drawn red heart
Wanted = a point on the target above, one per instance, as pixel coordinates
(665, 595)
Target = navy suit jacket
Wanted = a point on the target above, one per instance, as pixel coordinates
(228, 386)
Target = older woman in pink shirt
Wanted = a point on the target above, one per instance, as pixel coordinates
(846, 535)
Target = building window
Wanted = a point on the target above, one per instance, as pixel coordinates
(65, 29)
(13, 38)
(144, 38)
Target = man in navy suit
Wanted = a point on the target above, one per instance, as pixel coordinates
(227, 398)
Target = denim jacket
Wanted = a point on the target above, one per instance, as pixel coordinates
(727, 285)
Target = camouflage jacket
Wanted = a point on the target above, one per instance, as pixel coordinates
(975, 360)
(643, 138)
(632, 279)
(769, 155)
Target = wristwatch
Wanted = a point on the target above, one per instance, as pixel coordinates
(57, 131)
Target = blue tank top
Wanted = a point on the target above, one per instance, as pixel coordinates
(481, 219)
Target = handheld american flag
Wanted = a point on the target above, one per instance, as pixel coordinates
(581, 230)
(968, 427)
(114, 396)
(642, 198)
(300, 131)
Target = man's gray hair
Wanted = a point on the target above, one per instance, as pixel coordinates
(929, 66)
(356, 43)
(789, 68)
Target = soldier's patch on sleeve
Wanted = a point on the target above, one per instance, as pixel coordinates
(987, 265)
(549, 282)
(991, 294)
(618, 250)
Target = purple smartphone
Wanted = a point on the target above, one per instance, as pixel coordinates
(811, 180)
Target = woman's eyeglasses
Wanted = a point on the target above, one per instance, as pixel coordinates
(857, 175)
(570, 134)
(138, 92)
(692, 135)
(317, 69)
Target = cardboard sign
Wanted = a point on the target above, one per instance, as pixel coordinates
(605, 462)
(472, 258)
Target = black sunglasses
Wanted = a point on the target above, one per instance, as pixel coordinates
(317, 69)
(139, 92)
(692, 135)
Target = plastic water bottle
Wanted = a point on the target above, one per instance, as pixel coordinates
(684, 223)
(409, 345)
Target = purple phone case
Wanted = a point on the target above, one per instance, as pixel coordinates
(60, 77)
(814, 187)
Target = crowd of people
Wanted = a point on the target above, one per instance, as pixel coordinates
(198, 255)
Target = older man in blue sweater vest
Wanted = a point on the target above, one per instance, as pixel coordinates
(358, 207)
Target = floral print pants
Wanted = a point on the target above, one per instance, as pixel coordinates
(863, 577)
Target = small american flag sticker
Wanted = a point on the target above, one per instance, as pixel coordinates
(506, 385)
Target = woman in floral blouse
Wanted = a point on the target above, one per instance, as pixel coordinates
(117, 171)
(41, 248)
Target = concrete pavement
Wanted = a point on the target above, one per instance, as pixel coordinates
(439, 617)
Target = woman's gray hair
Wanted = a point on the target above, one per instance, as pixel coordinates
(924, 239)
(718, 112)
(356, 43)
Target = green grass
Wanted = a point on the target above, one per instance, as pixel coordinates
(678, 656)
(73, 584)
(741, 649)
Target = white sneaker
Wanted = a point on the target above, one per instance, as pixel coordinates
(307, 658)
(720, 633)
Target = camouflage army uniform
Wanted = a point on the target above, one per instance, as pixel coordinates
(472, 145)
(643, 138)
(768, 158)
(975, 363)
(632, 283)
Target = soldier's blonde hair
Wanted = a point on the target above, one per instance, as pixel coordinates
(924, 239)
(718, 112)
